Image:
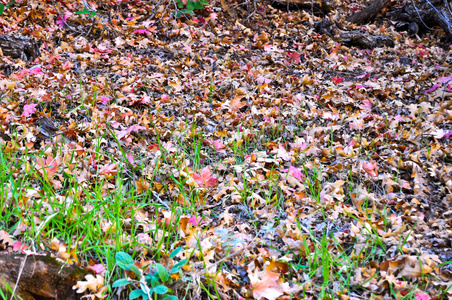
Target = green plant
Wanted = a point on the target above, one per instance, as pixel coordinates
(188, 6)
(151, 279)
(3, 6)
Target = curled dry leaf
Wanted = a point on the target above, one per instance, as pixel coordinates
(93, 285)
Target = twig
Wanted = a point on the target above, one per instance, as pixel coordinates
(22, 265)
(160, 200)
(156, 6)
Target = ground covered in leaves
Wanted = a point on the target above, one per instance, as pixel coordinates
(278, 163)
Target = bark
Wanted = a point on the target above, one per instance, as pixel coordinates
(321, 7)
(42, 277)
(17, 46)
(365, 40)
(427, 14)
(369, 13)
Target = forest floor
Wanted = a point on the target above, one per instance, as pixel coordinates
(232, 154)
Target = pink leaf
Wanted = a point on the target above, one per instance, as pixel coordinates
(130, 157)
(104, 100)
(357, 125)
(29, 109)
(295, 173)
(422, 296)
(213, 16)
(67, 65)
(194, 220)
(282, 153)
(48, 167)
(108, 170)
(187, 49)
(205, 179)
(261, 80)
(218, 145)
(265, 285)
(141, 31)
(399, 118)
(18, 246)
(434, 87)
(366, 106)
(294, 57)
(337, 80)
(99, 269)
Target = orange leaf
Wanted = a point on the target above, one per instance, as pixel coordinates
(265, 285)
(370, 168)
(236, 104)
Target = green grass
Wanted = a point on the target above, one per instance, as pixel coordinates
(100, 216)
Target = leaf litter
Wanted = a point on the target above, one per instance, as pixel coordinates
(283, 163)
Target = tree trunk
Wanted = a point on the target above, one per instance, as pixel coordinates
(427, 14)
(42, 277)
(369, 13)
(318, 7)
(18, 46)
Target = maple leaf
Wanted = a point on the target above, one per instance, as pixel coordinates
(29, 109)
(337, 80)
(293, 57)
(205, 179)
(294, 172)
(213, 16)
(18, 246)
(49, 166)
(366, 106)
(188, 49)
(357, 125)
(299, 144)
(262, 80)
(265, 285)
(60, 21)
(218, 145)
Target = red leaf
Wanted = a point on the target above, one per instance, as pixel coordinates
(337, 80)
